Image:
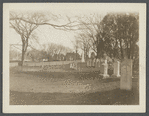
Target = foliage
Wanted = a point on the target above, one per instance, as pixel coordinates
(122, 34)
(52, 51)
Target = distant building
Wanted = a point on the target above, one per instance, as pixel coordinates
(72, 56)
(58, 57)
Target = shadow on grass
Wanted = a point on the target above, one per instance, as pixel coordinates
(112, 97)
(78, 75)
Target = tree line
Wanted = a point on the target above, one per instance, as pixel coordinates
(50, 52)
(115, 34)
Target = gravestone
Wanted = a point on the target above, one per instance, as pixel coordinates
(88, 63)
(126, 74)
(116, 68)
(75, 66)
(83, 60)
(102, 68)
(110, 68)
(105, 69)
(71, 65)
(98, 63)
(93, 63)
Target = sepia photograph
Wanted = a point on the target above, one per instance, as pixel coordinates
(73, 57)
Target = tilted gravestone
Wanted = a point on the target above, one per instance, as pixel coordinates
(126, 74)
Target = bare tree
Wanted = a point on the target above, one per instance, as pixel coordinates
(76, 45)
(25, 29)
(25, 24)
(91, 27)
(84, 43)
(55, 50)
(46, 17)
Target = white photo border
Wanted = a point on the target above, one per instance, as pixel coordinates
(141, 108)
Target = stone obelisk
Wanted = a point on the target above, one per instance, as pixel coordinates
(83, 57)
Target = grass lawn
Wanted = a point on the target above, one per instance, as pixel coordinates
(69, 88)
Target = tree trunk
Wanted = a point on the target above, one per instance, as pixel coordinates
(121, 48)
(23, 53)
(24, 49)
(98, 52)
(76, 54)
(132, 50)
(128, 50)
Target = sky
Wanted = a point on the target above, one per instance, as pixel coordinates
(47, 34)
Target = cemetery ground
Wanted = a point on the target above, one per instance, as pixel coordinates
(69, 88)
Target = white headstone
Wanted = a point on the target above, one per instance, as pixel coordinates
(116, 69)
(83, 57)
(105, 72)
(126, 74)
(71, 65)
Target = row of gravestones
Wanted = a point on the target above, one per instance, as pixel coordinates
(93, 63)
(105, 66)
(73, 65)
(124, 71)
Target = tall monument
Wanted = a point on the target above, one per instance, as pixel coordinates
(83, 57)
